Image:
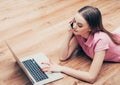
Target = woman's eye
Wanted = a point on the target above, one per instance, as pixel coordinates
(79, 26)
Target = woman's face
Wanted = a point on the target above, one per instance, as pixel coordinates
(81, 27)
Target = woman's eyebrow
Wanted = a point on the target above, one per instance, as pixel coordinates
(79, 23)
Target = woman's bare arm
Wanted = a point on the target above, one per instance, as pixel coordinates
(90, 75)
(68, 48)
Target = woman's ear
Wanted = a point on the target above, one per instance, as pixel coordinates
(89, 29)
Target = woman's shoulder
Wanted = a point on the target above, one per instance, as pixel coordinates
(101, 35)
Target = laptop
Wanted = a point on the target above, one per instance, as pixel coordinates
(31, 65)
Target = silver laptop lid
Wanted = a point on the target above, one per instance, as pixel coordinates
(14, 55)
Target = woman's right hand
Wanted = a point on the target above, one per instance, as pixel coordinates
(70, 29)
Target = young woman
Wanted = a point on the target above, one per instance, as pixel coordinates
(96, 42)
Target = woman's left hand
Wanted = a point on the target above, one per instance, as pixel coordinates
(51, 67)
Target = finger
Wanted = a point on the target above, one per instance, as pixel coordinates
(45, 63)
(73, 20)
(45, 69)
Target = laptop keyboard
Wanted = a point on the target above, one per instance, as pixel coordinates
(35, 70)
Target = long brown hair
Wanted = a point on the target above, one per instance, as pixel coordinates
(93, 17)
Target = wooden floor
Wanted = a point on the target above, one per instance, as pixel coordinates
(32, 26)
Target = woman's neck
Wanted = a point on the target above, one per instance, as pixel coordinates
(86, 35)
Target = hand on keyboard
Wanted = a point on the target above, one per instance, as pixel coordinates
(51, 67)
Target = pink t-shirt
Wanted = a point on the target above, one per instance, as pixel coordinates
(98, 42)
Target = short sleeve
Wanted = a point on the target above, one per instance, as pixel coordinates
(102, 44)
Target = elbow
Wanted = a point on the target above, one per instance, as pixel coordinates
(92, 79)
(62, 59)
